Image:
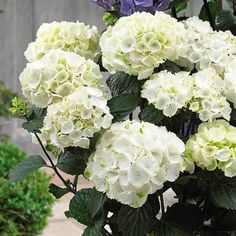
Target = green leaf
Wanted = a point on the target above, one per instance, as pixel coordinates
(224, 20)
(223, 193)
(180, 5)
(26, 167)
(36, 112)
(35, 119)
(71, 163)
(214, 9)
(225, 220)
(95, 230)
(122, 105)
(172, 224)
(33, 126)
(122, 83)
(85, 206)
(97, 201)
(152, 115)
(169, 66)
(57, 192)
(135, 222)
(233, 29)
(166, 229)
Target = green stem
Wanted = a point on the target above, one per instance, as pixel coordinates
(131, 116)
(162, 204)
(208, 11)
(75, 182)
(53, 165)
(174, 12)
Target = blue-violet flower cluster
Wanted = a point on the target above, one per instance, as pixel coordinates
(127, 7)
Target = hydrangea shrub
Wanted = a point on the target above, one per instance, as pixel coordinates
(164, 120)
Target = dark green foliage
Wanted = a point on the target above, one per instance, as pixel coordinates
(122, 83)
(219, 18)
(57, 192)
(34, 119)
(73, 160)
(125, 90)
(123, 105)
(71, 163)
(24, 206)
(223, 192)
(26, 167)
(214, 9)
(136, 222)
(184, 218)
(225, 20)
(152, 115)
(87, 208)
(179, 5)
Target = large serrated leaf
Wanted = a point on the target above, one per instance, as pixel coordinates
(225, 220)
(122, 83)
(97, 201)
(225, 20)
(180, 5)
(223, 193)
(85, 206)
(57, 191)
(214, 9)
(166, 229)
(95, 230)
(172, 224)
(26, 167)
(135, 222)
(33, 126)
(122, 105)
(152, 115)
(71, 163)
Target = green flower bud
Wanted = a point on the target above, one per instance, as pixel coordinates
(109, 18)
(19, 107)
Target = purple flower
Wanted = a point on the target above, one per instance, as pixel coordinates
(144, 3)
(127, 7)
(162, 5)
(106, 4)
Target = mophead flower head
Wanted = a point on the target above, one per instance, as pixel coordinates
(134, 159)
(57, 75)
(141, 42)
(214, 146)
(74, 120)
(68, 36)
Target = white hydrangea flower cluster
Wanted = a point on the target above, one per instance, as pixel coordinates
(68, 36)
(57, 75)
(208, 96)
(214, 146)
(203, 92)
(134, 159)
(139, 43)
(76, 118)
(168, 92)
(204, 47)
(230, 82)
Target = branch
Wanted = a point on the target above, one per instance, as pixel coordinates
(162, 204)
(75, 182)
(53, 165)
(174, 12)
(210, 17)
